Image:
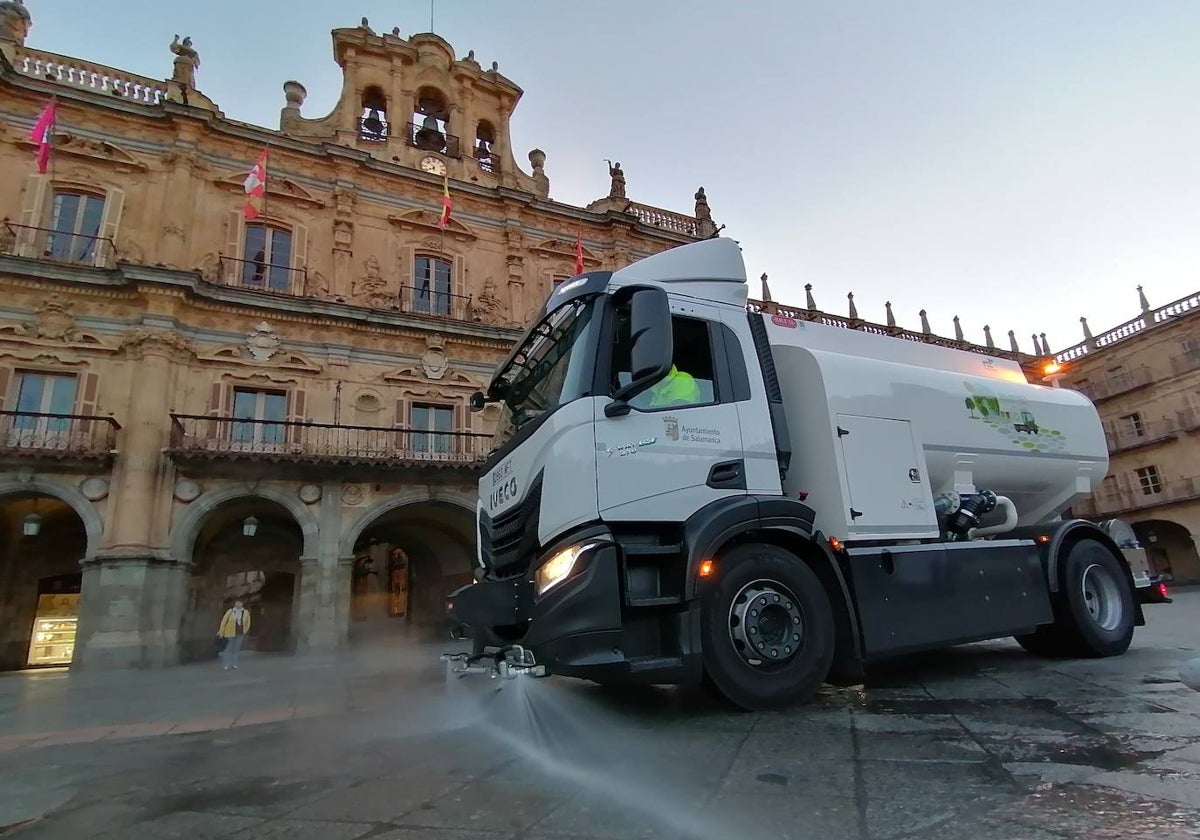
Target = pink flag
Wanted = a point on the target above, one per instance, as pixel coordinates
(42, 134)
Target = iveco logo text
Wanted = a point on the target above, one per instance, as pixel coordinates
(504, 494)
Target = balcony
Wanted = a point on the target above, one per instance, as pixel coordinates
(432, 140)
(77, 73)
(1121, 501)
(432, 304)
(28, 435)
(1186, 362)
(1116, 384)
(57, 246)
(200, 438)
(1188, 420)
(1144, 434)
(263, 277)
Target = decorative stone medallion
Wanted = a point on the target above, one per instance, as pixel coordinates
(309, 493)
(352, 494)
(94, 489)
(187, 490)
(262, 342)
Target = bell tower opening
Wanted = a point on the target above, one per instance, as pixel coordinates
(485, 137)
(431, 123)
(373, 122)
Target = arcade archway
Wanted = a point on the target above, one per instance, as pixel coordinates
(1171, 549)
(42, 541)
(405, 563)
(246, 549)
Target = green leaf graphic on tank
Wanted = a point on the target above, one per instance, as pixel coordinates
(1013, 419)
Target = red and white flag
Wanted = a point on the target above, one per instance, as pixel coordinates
(256, 188)
(445, 219)
(579, 252)
(43, 135)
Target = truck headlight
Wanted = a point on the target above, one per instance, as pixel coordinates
(559, 567)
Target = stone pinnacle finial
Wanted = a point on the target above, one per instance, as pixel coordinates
(1142, 300)
(853, 308)
(1045, 345)
(15, 21)
(891, 316)
(1012, 341)
(925, 328)
(809, 303)
(766, 290)
(1087, 331)
(987, 337)
(958, 333)
(1037, 348)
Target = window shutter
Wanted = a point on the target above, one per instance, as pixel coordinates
(220, 404)
(235, 235)
(5, 377)
(408, 258)
(401, 424)
(34, 208)
(87, 403)
(296, 405)
(458, 284)
(106, 249)
(299, 259)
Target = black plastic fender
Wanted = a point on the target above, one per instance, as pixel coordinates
(1050, 538)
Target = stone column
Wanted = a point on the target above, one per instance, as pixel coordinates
(134, 593)
(322, 612)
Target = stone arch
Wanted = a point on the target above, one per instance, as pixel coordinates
(418, 495)
(185, 531)
(93, 525)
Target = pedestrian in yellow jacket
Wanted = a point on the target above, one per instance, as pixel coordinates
(234, 626)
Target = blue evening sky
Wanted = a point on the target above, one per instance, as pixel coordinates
(1016, 163)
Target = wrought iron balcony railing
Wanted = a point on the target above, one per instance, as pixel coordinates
(30, 434)
(432, 140)
(57, 246)
(263, 276)
(373, 131)
(419, 301)
(1120, 501)
(195, 436)
(1116, 384)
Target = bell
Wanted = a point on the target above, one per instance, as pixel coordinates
(373, 123)
(430, 123)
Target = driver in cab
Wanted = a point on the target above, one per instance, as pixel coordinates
(676, 388)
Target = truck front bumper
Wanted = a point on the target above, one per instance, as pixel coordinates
(575, 627)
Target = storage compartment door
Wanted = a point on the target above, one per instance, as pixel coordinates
(885, 478)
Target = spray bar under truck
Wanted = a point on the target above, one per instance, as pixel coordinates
(684, 491)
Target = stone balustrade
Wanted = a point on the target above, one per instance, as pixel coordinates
(1129, 329)
(88, 76)
(664, 219)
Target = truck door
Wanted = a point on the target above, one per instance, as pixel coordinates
(681, 445)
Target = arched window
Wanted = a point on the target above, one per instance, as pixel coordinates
(74, 227)
(431, 286)
(373, 123)
(267, 259)
(485, 136)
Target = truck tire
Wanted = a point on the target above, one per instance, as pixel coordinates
(1093, 609)
(767, 628)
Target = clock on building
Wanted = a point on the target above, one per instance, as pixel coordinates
(432, 164)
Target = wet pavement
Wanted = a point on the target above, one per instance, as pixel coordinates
(982, 742)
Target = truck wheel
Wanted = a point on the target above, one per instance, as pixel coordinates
(766, 628)
(1098, 600)
(1093, 609)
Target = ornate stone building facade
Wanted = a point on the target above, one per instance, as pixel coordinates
(1144, 377)
(197, 407)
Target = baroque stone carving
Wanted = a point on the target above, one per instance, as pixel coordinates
(617, 189)
(488, 308)
(433, 361)
(309, 493)
(210, 267)
(352, 494)
(187, 61)
(94, 489)
(15, 21)
(372, 288)
(54, 321)
(138, 341)
(8, 238)
(262, 342)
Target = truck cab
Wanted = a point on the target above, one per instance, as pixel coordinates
(663, 506)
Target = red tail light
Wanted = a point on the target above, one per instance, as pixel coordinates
(1162, 589)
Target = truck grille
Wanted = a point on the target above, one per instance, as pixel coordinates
(508, 542)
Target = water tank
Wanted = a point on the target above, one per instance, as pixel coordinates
(879, 425)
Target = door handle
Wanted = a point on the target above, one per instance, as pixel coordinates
(727, 475)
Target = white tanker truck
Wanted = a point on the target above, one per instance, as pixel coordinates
(684, 491)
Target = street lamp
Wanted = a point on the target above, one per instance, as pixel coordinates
(31, 525)
(1052, 373)
(250, 526)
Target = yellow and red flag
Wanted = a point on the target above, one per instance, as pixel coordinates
(43, 135)
(256, 188)
(445, 219)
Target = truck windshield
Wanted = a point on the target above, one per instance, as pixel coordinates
(549, 369)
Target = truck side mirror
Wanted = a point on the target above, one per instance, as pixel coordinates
(478, 401)
(652, 346)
